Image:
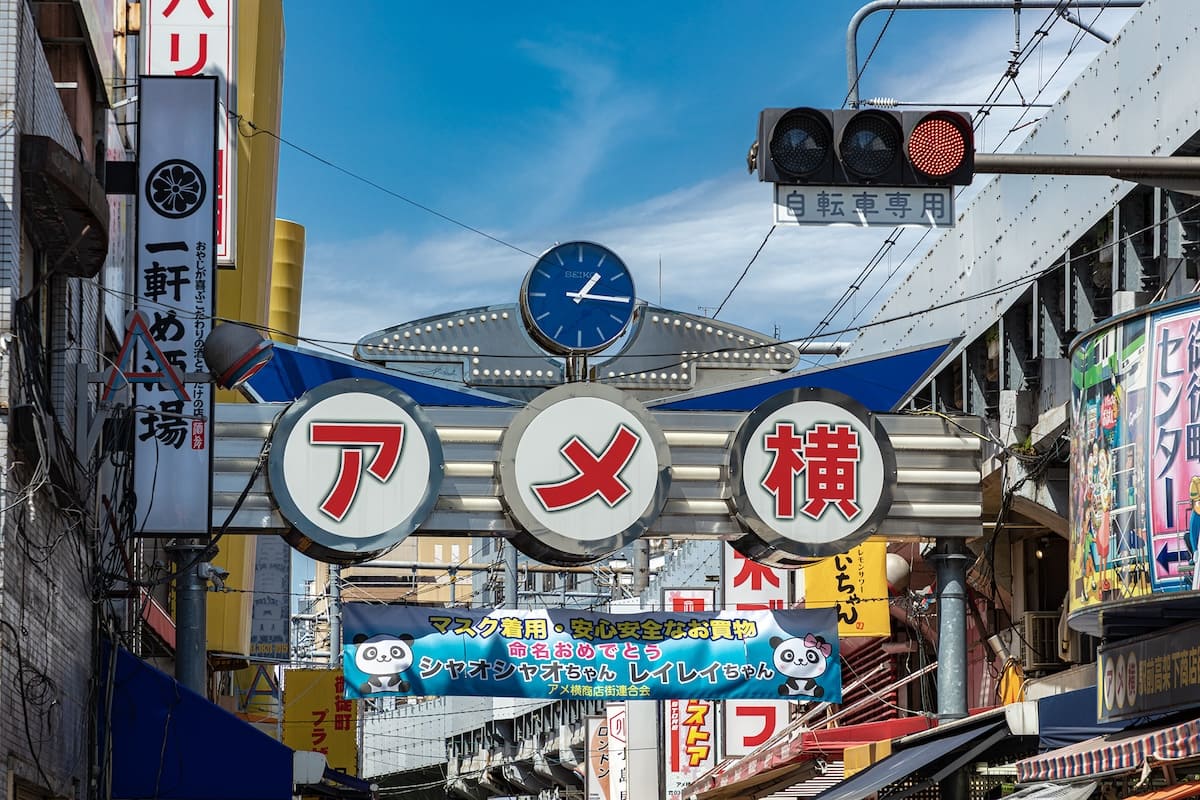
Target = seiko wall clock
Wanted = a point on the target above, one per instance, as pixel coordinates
(577, 299)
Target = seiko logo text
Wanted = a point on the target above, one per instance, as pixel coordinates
(578, 273)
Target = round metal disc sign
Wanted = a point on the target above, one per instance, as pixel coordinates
(584, 470)
(812, 472)
(355, 466)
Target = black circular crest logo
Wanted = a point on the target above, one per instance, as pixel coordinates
(175, 188)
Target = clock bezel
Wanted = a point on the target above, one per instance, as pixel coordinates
(562, 348)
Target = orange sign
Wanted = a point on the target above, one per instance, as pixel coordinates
(317, 717)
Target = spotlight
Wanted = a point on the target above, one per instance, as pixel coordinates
(234, 352)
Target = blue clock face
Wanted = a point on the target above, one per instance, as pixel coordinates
(578, 298)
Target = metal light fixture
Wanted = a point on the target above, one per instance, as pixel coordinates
(235, 352)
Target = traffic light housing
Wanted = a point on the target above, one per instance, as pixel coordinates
(871, 147)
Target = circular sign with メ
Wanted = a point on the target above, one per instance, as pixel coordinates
(812, 474)
(355, 467)
(584, 471)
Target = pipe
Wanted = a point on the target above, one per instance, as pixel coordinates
(510, 575)
(1129, 168)
(852, 76)
(950, 560)
(1079, 23)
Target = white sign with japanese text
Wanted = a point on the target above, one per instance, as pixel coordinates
(749, 585)
(198, 37)
(174, 291)
(864, 206)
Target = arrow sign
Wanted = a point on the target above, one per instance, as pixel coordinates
(1167, 557)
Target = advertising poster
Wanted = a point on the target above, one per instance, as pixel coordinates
(563, 653)
(855, 583)
(1174, 480)
(317, 717)
(1108, 517)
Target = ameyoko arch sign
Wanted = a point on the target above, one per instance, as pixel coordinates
(580, 472)
(355, 466)
(812, 471)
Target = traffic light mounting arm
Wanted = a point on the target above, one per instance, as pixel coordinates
(1175, 173)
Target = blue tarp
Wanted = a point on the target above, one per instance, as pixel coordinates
(172, 744)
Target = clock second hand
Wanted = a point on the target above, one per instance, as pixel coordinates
(582, 293)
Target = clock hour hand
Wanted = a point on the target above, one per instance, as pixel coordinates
(577, 296)
(582, 293)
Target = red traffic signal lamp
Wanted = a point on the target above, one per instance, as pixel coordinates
(864, 148)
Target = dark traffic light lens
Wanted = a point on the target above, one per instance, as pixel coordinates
(937, 146)
(800, 143)
(870, 144)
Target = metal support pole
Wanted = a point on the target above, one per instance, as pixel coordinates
(852, 77)
(335, 616)
(191, 619)
(510, 575)
(641, 565)
(951, 559)
(453, 586)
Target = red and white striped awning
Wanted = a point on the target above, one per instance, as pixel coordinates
(1115, 753)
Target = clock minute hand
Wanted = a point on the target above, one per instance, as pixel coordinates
(577, 296)
(582, 293)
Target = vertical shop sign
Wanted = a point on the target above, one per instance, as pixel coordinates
(1174, 448)
(690, 725)
(854, 582)
(197, 37)
(316, 716)
(748, 585)
(174, 292)
(270, 627)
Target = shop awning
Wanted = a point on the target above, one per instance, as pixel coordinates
(1180, 791)
(935, 759)
(1054, 791)
(788, 761)
(1114, 753)
(169, 743)
(1070, 717)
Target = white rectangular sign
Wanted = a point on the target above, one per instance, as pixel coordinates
(174, 290)
(198, 37)
(748, 585)
(749, 724)
(864, 206)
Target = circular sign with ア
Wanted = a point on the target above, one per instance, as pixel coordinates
(584, 470)
(355, 467)
(812, 474)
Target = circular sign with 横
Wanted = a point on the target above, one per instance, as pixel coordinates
(584, 470)
(355, 467)
(812, 473)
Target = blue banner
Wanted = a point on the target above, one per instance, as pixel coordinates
(561, 653)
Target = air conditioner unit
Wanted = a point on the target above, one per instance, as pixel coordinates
(1040, 649)
(1081, 649)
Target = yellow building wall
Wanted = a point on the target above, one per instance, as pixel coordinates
(244, 292)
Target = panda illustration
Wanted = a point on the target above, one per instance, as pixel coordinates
(383, 657)
(802, 660)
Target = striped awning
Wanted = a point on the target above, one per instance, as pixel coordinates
(1113, 754)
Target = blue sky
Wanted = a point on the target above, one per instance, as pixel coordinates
(626, 124)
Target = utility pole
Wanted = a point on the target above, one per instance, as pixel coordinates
(191, 614)
(335, 616)
(510, 575)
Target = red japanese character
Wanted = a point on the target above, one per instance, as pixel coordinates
(788, 462)
(757, 574)
(595, 474)
(832, 477)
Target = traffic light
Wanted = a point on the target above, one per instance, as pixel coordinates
(864, 147)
